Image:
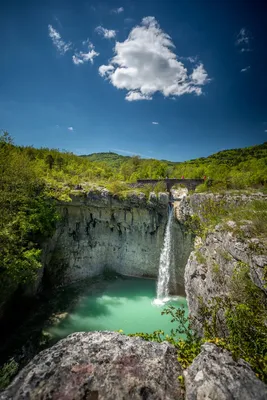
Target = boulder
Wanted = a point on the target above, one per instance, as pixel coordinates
(100, 366)
(214, 375)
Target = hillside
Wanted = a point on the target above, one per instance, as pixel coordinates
(113, 159)
(231, 156)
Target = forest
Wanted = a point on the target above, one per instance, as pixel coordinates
(31, 181)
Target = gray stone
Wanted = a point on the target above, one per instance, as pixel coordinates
(214, 375)
(153, 197)
(100, 366)
(210, 267)
(163, 198)
(100, 232)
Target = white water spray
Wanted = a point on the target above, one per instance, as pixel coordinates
(165, 263)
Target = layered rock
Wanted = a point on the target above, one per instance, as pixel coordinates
(210, 267)
(99, 231)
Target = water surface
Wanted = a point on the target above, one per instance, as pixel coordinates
(120, 303)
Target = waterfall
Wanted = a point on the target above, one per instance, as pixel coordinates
(165, 263)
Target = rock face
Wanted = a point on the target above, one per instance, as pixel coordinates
(214, 375)
(210, 267)
(100, 366)
(98, 231)
(108, 366)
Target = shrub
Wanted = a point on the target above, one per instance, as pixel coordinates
(7, 372)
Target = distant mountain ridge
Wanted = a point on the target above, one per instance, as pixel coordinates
(231, 156)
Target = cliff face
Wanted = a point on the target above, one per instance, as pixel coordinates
(99, 231)
(211, 265)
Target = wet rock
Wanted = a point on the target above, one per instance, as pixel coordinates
(214, 375)
(163, 198)
(100, 366)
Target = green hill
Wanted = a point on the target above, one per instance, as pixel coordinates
(110, 158)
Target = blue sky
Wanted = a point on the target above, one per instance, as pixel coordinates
(164, 79)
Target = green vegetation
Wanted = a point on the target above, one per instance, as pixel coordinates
(242, 331)
(212, 212)
(26, 216)
(237, 321)
(7, 373)
(228, 169)
(32, 179)
(63, 171)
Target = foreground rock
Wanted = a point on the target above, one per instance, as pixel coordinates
(100, 366)
(214, 375)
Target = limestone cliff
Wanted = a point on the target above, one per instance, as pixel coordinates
(211, 265)
(99, 231)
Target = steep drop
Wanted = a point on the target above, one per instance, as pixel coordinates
(166, 262)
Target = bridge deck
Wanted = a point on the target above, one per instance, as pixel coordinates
(189, 183)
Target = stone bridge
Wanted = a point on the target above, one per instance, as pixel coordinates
(191, 184)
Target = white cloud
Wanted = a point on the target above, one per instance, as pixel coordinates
(245, 69)
(106, 33)
(58, 42)
(243, 40)
(83, 57)
(265, 130)
(133, 96)
(117, 10)
(155, 123)
(199, 75)
(70, 128)
(145, 64)
(105, 69)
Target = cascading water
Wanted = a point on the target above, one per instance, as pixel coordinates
(165, 263)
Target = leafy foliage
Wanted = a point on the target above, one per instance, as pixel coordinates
(228, 169)
(7, 372)
(236, 323)
(183, 336)
(26, 216)
(243, 329)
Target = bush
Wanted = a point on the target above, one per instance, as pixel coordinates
(7, 372)
(236, 323)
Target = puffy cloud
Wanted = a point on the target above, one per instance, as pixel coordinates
(145, 63)
(105, 69)
(243, 40)
(245, 69)
(106, 33)
(70, 128)
(83, 57)
(155, 123)
(199, 75)
(58, 42)
(117, 10)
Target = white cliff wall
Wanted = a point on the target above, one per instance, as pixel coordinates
(98, 232)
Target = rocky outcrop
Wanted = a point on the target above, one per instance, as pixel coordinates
(100, 366)
(108, 366)
(214, 375)
(211, 265)
(100, 231)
